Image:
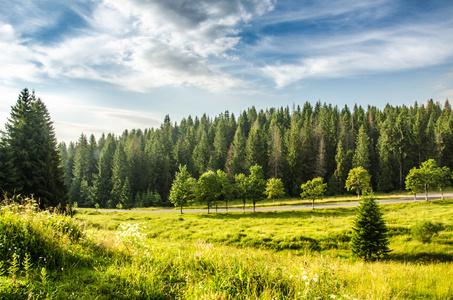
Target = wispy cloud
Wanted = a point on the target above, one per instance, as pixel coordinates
(374, 51)
(136, 44)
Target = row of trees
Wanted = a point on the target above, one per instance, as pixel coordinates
(214, 187)
(294, 145)
(429, 175)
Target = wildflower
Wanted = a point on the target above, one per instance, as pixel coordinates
(333, 296)
(307, 283)
(305, 277)
(315, 279)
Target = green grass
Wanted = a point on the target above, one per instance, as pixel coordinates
(263, 255)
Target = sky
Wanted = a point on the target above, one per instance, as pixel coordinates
(103, 66)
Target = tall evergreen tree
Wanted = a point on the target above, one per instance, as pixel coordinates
(362, 151)
(78, 188)
(103, 185)
(33, 145)
(275, 150)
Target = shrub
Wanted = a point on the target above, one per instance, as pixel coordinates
(424, 231)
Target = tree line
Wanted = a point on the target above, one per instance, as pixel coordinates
(295, 145)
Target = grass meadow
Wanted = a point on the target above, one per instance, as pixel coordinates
(263, 255)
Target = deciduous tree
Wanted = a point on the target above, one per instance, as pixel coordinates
(359, 180)
(274, 188)
(183, 188)
(314, 189)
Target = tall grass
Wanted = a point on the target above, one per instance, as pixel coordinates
(156, 257)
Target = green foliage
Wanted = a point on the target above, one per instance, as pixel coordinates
(255, 184)
(208, 188)
(369, 238)
(183, 188)
(359, 180)
(414, 182)
(314, 189)
(424, 231)
(31, 150)
(127, 198)
(274, 188)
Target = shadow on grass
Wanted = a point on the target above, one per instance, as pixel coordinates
(422, 257)
(303, 214)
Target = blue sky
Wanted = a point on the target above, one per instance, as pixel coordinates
(110, 65)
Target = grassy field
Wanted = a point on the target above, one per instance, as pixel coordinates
(263, 255)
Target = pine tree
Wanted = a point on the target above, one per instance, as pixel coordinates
(80, 172)
(103, 185)
(369, 238)
(362, 151)
(127, 199)
(118, 173)
(32, 145)
(221, 145)
(275, 150)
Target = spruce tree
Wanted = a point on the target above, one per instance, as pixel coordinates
(32, 143)
(362, 152)
(369, 237)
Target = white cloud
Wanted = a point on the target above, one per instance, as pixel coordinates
(370, 52)
(138, 45)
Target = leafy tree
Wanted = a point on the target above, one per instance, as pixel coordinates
(227, 188)
(209, 188)
(274, 188)
(183, 188)
(241, 188)
(369, 232)
(256, 184)
(429, 175)
(33, 151)
(314, 189)
(414, 183)
(444, 177)
(359, 180)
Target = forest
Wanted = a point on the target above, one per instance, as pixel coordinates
(295, 145)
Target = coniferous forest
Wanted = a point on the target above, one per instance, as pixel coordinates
(295, 145)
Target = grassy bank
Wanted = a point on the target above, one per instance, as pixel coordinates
(274, 255)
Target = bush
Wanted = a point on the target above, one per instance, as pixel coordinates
(424, 231)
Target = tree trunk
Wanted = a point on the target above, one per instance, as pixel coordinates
(442, 192)
(181, 210)
(415, 197)
(253, 206)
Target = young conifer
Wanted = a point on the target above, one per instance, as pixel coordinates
(369, 238)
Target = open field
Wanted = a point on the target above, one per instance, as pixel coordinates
(263, 255)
